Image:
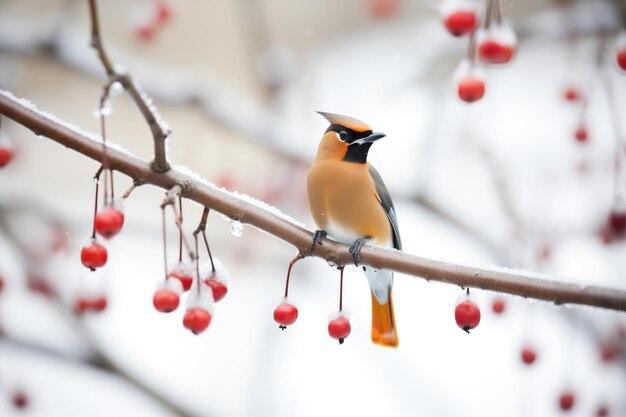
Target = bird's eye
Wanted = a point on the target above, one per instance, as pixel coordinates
(343, 135)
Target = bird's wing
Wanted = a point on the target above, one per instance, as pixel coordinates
(385, 201)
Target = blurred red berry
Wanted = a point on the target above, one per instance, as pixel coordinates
(165, 300)
(620, 58)
(164, 12)
(285, 315)
(602, 411)
(382, 8)
(94, 256)
(1, 283)
(109, 222)
(467, 315)
(218, 287)
(491, 51)
(499, 305)
(571, 94)
(617, 221)
(528, 355)
(146, 33)
(185, 279)
(566, 400)
(471, 89)
(581, 134)
(19, 399)
(339, 328)
(98, 304)
(197, 320)
(6, 155)
(461, 22)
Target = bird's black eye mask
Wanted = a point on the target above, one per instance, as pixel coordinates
(347, 135)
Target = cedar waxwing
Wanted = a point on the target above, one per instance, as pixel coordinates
(350, 202)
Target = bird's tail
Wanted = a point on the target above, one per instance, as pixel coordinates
(384, 323)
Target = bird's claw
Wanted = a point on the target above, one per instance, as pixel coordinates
(355, 250)
(317, 238)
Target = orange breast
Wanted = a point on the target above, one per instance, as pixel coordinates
(343, 201)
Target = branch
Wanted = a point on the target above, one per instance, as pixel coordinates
(159, 129)
(235, 207)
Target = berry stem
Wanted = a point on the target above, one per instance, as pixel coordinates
(195, 238)
(180, 231)
(202, 228)
(96, 178)
(471, 50)
(164, 230)
(340, 289)
(291, 264)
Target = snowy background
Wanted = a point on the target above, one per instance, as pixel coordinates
(499, 182)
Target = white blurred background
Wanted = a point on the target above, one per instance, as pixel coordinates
(502, 182)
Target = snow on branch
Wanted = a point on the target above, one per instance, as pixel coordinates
(269, 219)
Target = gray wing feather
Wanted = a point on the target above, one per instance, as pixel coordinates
(387, 204)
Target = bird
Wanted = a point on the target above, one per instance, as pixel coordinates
(349, 202)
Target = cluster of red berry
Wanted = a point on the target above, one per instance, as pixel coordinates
(180, 280)
(494, 44)
(107, 223)
(162, 15)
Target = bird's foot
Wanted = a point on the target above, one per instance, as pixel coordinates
(355, 249)
(317, 238)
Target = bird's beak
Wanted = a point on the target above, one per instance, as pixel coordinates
(372, 137)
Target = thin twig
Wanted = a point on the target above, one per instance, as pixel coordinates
(127, 193)
(159, 130)
(202, 229)
(499, 280)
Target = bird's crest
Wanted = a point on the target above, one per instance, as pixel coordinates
(346, 121)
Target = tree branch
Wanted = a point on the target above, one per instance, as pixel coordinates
(159, 129)
(504, 281)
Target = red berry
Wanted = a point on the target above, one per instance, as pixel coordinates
(185, 279)
(499, 305)
(41, 286)
(617, 221)
(610, 351)
(566, 400)
(81, 305)
(493, 52)
(285, 314)
(164, 12)
(581, 134)
(218, 287)
(1, 283)
(6, 155)
(196, 320)
(620, 57)
(382, 8)
(571, 94)
(602, 411)
(19, 399)
(146, 33)
(461, 22)
(165, 300)
(467, 315)
(98, 303)
(109, 222)
(529, 355)
(339, 328)
(471, 89)
(94, 256)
